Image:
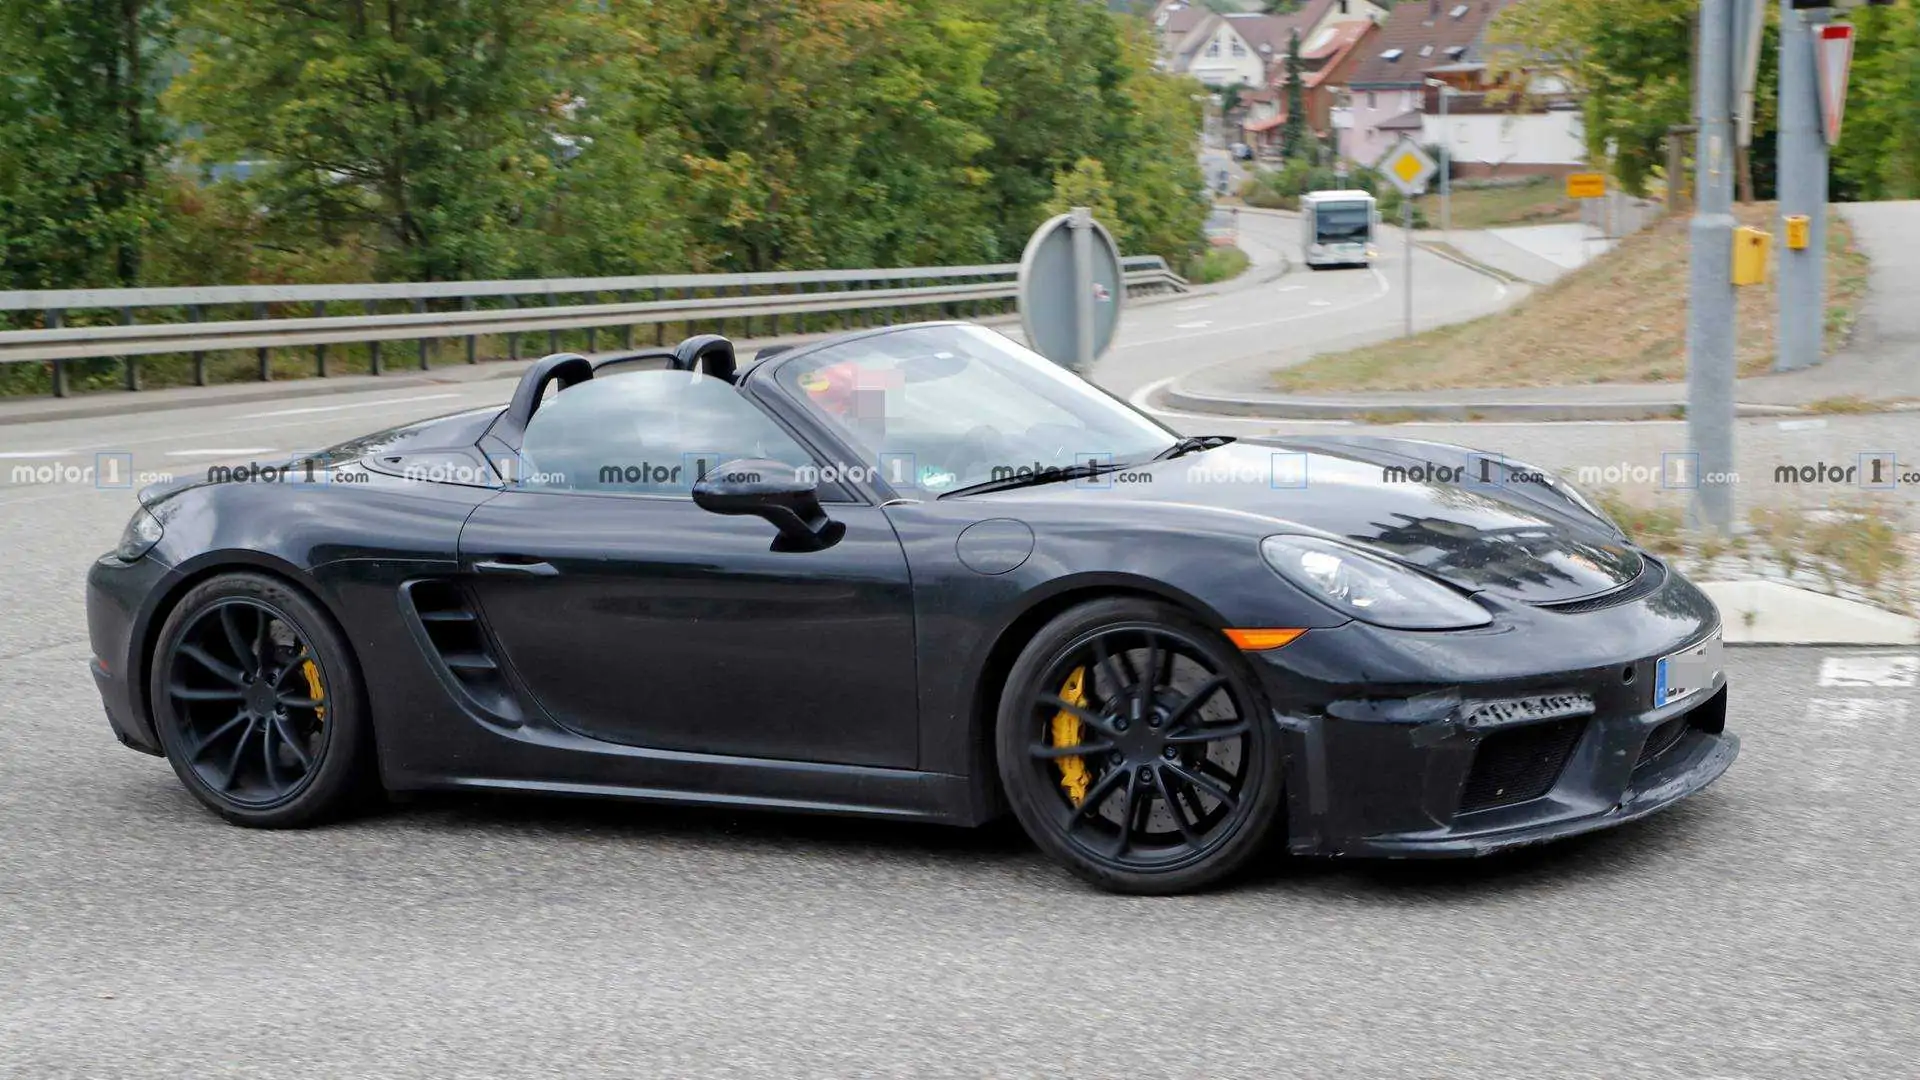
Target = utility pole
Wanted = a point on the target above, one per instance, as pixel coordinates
(1445, 89)
(1406, 230)
(1710, 311)
(1803, 191)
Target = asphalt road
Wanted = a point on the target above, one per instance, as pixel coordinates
(1765, 929)
(1276, 315)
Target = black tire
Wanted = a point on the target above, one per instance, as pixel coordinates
(259, 705)
(1193, 749)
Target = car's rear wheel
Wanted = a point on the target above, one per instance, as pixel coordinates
(1135, 748)
(258, 703)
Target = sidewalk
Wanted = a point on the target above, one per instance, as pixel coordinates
(1879, 369)
(1536, 254)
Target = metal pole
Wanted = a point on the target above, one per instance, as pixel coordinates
(56, 318)
(1803, 190)
(1082, 226)
(1710, 312)
(1406, 227)
(1446, 167)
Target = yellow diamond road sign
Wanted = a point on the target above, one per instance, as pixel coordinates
(1409, 167)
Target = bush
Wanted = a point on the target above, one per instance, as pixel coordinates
(1217, 264)
(1280, 189)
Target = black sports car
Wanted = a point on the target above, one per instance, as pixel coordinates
(917, 572)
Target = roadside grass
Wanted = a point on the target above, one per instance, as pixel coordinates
(1620, 319)
(1656, 528)
(1844, 405)
(1541, 201)
(1861, 549)
(1217, 264)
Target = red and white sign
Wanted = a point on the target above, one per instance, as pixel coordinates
(1832, 60)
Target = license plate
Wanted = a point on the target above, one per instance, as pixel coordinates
(1686, 673)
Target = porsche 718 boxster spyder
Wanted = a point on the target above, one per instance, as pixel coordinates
(921, 573)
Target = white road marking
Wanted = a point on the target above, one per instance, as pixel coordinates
(1845, 742)
(1383, 289)
(1195, 306)
(350, 405)
(1193, 325)
(224, 451)
(1901, 671)
(1320, 303)
(1289, 288)
(1801, 425)
(30, 455)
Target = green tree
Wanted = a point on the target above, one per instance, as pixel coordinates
(821, 132)
(438, 126)
(80, 143)
(1086, 185)
(1073, 82)
(1879, 157)
(1295, 140)
(1629, 60)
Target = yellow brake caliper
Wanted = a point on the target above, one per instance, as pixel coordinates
(314, 691)
(1066, 732)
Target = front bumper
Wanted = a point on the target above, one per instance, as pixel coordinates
(1465, 744)
(1604, 782)
(117, 613)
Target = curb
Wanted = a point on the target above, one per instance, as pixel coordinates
(1474, 265)
(1173, 397)
(1774, 613)
(1284, 408)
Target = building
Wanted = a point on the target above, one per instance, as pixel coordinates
(1172, 21)
(1250, 49)
(1493, 128)
(1327, 55)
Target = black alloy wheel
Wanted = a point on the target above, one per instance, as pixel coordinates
(256, 703)
(1133, 749)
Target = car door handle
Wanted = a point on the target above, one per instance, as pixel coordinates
(516, 564)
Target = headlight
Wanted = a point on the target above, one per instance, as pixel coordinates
(138, 538)
(1370, 588)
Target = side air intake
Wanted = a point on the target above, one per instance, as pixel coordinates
(446, 620)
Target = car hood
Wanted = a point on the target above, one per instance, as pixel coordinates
(1514, 537)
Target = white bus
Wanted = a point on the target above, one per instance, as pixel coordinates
(1336, 228)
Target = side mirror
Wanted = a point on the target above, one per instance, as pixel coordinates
(776, 492)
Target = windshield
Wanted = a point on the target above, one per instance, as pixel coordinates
(943, 407)
(1342, 223)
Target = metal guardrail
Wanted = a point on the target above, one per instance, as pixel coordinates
(672, 298)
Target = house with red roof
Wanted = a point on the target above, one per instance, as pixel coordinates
(1429, 47)
(1250, 49)
(1327, 55)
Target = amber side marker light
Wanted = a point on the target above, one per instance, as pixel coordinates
(1262, 640)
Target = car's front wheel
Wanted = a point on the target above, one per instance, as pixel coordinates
(1135, 748)
(257, 702)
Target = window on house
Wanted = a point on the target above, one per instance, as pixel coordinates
(1409, 99)
(1213, 48)
(1392, 54)
(1372, 101)
(1455, 52)
(1239, 50)
(1459, 10)
(1426, 50)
